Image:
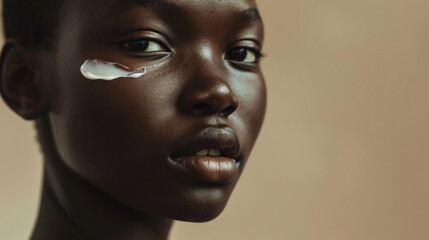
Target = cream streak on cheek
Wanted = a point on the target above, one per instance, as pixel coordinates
(96, 69)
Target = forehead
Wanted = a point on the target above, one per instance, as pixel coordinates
(187, 19)
(183, 9)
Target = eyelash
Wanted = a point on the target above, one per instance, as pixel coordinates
(128, 45)
(145, 42)
(257, 54)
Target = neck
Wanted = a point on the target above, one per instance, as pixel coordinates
(72, 208)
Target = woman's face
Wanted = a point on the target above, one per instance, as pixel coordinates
(139, 140)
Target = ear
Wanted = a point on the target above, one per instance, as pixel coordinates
(19, 85)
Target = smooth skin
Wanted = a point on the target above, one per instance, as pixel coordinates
(109, 145)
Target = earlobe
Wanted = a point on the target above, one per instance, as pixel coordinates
(19, 85)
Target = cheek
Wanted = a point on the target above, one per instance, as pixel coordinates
(115, 135)
(105, 129)
(251, 111)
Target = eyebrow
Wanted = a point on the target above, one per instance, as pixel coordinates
(248, 15)
(158, 5)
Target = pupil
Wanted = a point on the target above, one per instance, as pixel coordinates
(138, 45)
(238, 54)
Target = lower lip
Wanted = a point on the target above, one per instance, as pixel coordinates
(209, 169)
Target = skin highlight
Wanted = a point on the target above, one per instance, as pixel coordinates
(119, 160)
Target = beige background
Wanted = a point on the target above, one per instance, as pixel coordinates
(344, 150)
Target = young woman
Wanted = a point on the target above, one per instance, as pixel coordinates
(124, 157)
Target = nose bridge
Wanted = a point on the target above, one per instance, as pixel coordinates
(206, 57)
(208, 69)
(208, 89)
(209, 72)
(207, 53)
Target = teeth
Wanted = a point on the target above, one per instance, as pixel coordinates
(208, 152)
(203, 152)
(214, 153)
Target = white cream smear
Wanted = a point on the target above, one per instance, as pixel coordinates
(96, 69)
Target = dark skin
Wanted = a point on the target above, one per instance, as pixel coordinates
(110, 169)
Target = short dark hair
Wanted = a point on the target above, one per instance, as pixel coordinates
(32, 23)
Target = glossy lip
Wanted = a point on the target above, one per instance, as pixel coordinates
(218, 170)
(223, 139)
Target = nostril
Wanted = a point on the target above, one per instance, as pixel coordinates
(211, 103)
(199, 107)
(228, 110)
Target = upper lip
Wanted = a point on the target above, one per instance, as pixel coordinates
(223, 139)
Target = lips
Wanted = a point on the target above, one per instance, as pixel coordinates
(212, 156)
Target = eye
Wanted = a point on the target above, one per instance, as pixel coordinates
(244, 55)
(144, 46)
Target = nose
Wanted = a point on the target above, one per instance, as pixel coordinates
(208, 92)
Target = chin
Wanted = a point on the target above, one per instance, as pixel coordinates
(202, 213)
(197, 204)
(204, 204)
